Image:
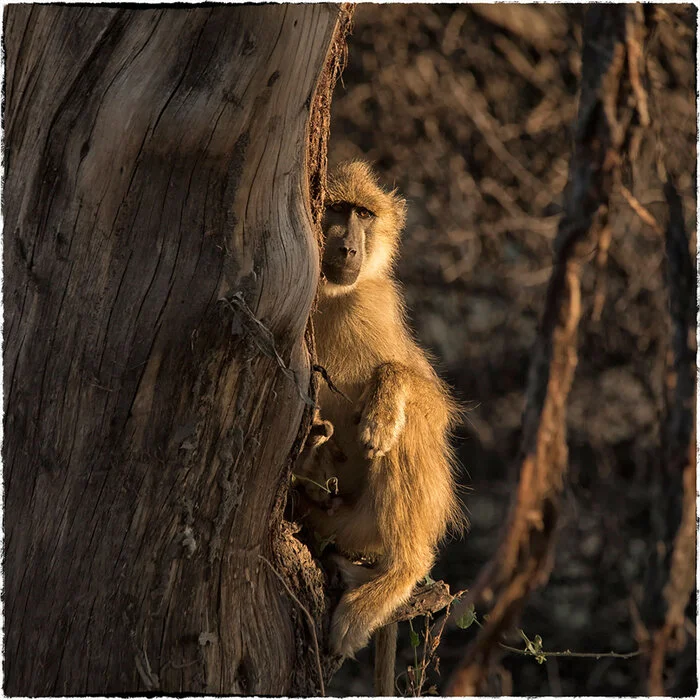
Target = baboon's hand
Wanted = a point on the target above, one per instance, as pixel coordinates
(381, 424)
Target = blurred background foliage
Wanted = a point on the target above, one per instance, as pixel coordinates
(467, 109)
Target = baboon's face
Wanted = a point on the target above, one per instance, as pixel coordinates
(348, 239)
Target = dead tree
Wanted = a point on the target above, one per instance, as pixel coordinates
(523, 560)
(163, 188)
(670, 579)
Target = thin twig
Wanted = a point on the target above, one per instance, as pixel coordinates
(475, 107)
(635, 39)
(642, 212)
(575, 654)
(604, 237)
(572, 654)
(264, 340)
(312, 624)
(425, 659)
(324, 373)
(333, 481)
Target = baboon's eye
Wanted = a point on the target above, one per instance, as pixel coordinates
(364, 213)
(336, 206)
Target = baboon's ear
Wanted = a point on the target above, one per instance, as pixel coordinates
(400, 208)
(321, 431)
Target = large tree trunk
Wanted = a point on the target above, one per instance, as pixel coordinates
(160, 266)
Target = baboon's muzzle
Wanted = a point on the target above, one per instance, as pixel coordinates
(343, 273)
(343, 256)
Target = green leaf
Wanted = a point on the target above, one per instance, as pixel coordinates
(415, 639)
(534, 647)
(323, 542)
(466, 620)
(429, 580)
(540, 656)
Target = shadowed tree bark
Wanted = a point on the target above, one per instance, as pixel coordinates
(160, 266)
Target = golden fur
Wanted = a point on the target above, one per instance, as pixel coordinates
(396, 477)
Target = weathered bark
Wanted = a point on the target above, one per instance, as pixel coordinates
(160, 266)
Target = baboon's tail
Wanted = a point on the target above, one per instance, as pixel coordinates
(362, 610)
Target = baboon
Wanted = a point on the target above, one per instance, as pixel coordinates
(391, 424)
(318, 464)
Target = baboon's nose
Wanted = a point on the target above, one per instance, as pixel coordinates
(348, 252)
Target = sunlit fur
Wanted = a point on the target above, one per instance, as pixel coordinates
(397, 483)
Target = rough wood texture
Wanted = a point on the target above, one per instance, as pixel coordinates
(160, 265)
(426, 599)
(523, 559)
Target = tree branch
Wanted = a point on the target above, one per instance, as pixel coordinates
(679, 454)
(426, 598)
(523, 559)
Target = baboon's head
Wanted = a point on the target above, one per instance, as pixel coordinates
(361, 227)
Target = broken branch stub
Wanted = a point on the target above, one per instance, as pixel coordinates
(425, 599)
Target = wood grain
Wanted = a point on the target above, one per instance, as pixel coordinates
(156, 168)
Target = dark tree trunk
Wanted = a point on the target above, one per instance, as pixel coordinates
(160, 266)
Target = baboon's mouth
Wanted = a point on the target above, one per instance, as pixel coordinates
(340, 274)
